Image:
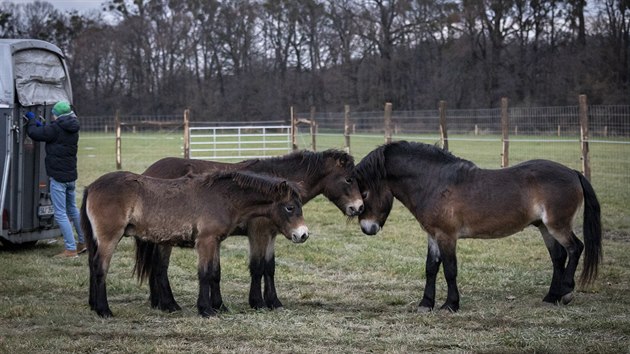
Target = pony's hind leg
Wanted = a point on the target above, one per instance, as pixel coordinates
(558, 259)
(562, 245)
(99, 266)
(574, 249)
(161, 295)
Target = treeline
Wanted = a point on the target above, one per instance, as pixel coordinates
(250, 60)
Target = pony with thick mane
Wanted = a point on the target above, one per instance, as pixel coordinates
(329, 173)
(452, 198)
(195, 209)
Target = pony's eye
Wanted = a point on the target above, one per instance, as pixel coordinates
(364, 195)
(349, 180)
(289, 208)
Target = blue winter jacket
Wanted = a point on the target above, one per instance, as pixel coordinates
(62, 140)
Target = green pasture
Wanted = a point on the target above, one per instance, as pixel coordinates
(343, 291)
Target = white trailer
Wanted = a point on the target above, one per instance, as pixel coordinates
(33, 77)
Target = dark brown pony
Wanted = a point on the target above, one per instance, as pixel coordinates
(452, 198)
(329, 173)
(201, 210)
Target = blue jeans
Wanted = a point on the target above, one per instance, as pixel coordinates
(65, 205)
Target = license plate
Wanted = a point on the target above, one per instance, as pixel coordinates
(45, 210)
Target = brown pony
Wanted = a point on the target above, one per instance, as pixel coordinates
(452, 198)
(329, 173)
(201, 210)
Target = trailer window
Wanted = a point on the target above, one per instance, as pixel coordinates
(40, 78)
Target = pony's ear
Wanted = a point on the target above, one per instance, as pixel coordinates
(282, 188)
(342, 160)
(189, 170)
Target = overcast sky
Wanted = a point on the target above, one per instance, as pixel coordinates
(69, 5)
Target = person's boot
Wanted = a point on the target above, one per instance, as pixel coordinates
(67, 254)
(81, 248)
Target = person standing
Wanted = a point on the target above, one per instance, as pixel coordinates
(61, 136)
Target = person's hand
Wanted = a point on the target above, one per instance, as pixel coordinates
(30, 115)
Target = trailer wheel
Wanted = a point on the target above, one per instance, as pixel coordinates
(8, 245)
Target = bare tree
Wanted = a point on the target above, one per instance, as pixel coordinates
(251, 59)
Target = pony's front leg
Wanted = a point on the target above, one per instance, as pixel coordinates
(449, 262)
(209, 300)
(270, 295)
(431, 270)
(262, 264)
(256, 269)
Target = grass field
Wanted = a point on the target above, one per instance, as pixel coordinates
(342, 291)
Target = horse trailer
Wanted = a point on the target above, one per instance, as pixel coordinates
(33, 77)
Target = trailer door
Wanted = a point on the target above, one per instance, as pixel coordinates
(41, 80)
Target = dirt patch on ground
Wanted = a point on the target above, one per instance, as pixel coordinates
(617, 235)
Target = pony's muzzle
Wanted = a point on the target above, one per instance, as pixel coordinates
(300, 234)
(370, 227)
(355, 208)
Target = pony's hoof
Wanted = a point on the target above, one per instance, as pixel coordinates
(449, 308)
(551, 299)
(275, 304)
(567, 298)
(105, 313)
(175, 308)
(257, 304)
(208, 313)
(172, 307)
(424, 309)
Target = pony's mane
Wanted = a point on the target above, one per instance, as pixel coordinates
(265, 184)
(371, 170)
(428, 152)
(313, 160)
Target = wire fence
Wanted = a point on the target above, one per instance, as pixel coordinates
(552, 133)
(474, 134)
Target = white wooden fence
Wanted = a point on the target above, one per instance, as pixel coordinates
(239, 142)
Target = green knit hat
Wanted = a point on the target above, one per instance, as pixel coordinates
(60, 108)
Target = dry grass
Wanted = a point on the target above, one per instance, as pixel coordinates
(342, 291)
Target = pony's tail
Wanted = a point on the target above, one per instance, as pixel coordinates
(86, 226)
(92, 246)
(147, 254)
(592, 233)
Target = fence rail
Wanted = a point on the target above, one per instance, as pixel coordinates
(243, 142)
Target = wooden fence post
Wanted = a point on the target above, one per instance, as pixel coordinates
(388, 122)
(313, 132)
(586, 164)
(293, 130)
(346, 127)
(443, 130)
(186, 134)
(118, 142)
(505, 126)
